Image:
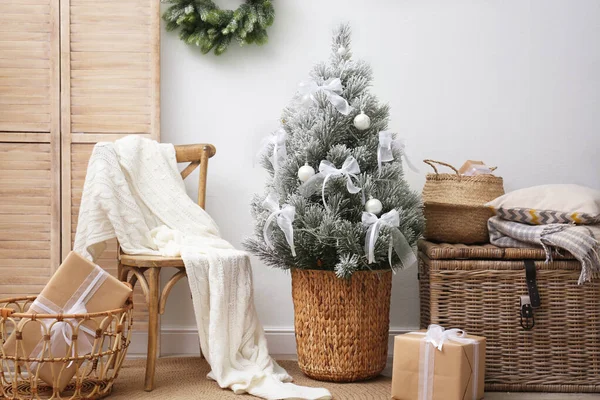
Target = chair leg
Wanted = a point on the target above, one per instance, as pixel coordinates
(120, 272)
(153, 326)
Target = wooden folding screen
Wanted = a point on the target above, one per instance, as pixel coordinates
(55, 105)
(110, 89)
(29, 145)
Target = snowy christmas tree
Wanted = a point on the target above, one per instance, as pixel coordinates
(336, 198)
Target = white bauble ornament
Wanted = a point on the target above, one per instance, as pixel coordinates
(362, 121)
(342, 51)
(306, 100)
(305, 172)
(373, 206)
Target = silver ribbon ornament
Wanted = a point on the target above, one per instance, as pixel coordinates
(285, 217)
(277, 139)
(384, 150)
(398, 242)
(332, 88)
(350, 169)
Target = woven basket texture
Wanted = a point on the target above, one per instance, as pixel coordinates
(95, 372)
(456, 224)
(454, 205)
(560, 354)
(341, 325)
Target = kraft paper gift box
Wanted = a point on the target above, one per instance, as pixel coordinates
(438, 364)
(471, 167)
(78, 287)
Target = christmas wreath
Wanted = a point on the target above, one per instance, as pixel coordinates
(207, 26)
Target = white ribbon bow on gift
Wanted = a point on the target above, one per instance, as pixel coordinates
(398, 242)
(384, 150)
(64, 328)
(277, 139)
(349, 169)
(435, 337)
(285, 217)
(332, 88)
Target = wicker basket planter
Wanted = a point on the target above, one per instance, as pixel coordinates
(477, 288)
(341, 325)
(95, 372)
(454, 205)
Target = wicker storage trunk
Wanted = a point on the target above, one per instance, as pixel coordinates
(478, 289)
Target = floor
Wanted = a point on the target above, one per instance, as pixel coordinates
(185, 379)
(190, 378)
(540, 396)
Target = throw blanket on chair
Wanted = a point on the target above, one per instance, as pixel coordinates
(134, 192)
(579, 240)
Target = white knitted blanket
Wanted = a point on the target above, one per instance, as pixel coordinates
(133, 191)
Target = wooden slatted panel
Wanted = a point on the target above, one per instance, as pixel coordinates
(80, 155)
(110, 88)
(29, 145)
(28, 218)
(113, 66)
(28, 39)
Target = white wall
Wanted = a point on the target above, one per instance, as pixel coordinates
(514, 83)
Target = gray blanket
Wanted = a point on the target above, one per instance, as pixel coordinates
(579, 240)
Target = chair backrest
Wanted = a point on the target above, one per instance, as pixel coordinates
(197, 155)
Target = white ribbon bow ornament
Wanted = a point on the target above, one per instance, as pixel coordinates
(332, 88)
(384, 150)
(397, 240)
(285, 217)
(277, 139)
(349, 169)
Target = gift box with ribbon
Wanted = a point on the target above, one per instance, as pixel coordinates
(438, 364)
(77, 287)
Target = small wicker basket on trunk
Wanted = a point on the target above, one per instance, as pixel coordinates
(454, 205)
(341, 325)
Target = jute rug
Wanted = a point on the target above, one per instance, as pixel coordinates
(185, 378)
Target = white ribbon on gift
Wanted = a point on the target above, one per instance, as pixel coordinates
(332, 88)
(398, 242)
(277, 139)
(384, 150)
(435, 337)
(285, 217)
(75, 305)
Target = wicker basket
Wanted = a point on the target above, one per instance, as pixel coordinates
(95, 372)
(341, 325)
(454, 205)
(477, 288)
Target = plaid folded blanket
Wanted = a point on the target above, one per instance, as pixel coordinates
(579, 240)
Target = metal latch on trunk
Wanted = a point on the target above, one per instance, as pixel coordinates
(527, 318)
(532, 300)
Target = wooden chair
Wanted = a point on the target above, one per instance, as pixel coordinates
(146, 269)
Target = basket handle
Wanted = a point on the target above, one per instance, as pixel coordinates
(431, 162)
